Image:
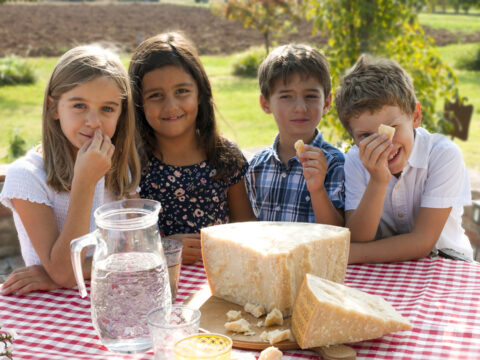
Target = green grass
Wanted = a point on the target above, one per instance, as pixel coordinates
(469, 86)
(452, 22)
(240, 116)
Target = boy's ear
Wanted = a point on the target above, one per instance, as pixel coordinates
(417, 116)
(52, 107)
(328, 103)
(264, 104)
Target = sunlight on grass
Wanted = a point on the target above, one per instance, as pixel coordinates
(453, 22)
(239, 114)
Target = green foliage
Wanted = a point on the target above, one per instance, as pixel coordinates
(470, 62)
(17, 146)
(271, 17)
(246, 64)
(385, 28)
(14, 70)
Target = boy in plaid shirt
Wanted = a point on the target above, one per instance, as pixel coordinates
(282, 184)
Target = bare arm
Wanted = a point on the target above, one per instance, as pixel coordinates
(363, 221)
(415, 245)
(52, 246)
(239, 204)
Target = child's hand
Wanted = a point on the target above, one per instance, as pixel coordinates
(94, 158)
(374, 151)
(314, 167)
(24, 280)
(191, 247)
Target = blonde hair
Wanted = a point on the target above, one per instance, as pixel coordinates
(371, 84)
(78, 66)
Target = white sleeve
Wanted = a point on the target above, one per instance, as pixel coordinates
(447, 183)
(356, 179)
(25, 181)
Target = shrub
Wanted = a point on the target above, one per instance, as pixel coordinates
(14, 70)
(16, 148)
(246, 64)
(470, 61)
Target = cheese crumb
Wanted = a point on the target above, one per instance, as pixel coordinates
(274, 317)
(233, 315)
(276, 336)
(238, 326)
(255, 310)
(260, 323)
(271, 353)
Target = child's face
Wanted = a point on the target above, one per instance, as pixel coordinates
(96, 104)
(367, 124)
(170, 101)
(297, 106)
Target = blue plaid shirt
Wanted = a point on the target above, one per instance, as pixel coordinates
(279, 193)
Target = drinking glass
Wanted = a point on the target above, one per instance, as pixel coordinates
(169, 325)
(204, 347)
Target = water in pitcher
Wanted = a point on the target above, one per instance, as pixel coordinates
(125, 287)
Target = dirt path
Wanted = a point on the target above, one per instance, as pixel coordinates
(49, 29)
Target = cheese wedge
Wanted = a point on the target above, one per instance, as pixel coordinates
(264, 263)
(328, 313)
(386, 130)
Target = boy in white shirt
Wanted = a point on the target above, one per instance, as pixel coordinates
(404, 195)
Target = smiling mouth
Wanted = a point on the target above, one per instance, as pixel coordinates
(172, 118)
(394, 155)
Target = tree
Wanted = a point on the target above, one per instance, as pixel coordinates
(270, 17)
(387, 28)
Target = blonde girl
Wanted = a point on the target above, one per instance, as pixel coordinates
(196, 174)
(87, 158)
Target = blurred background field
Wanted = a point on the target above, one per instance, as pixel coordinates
(240, 116)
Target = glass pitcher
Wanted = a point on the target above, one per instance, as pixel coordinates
(129, 273)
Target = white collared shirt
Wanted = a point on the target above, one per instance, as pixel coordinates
(435, 176)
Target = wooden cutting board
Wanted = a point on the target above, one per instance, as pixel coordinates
(214, 317)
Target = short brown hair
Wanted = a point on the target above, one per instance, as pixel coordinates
(286, 60)
(371, 84)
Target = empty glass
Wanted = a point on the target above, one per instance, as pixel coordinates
(169, 325)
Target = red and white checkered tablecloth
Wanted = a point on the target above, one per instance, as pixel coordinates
(440, 297)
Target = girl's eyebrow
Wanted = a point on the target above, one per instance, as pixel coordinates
(185, 84)
(76, 98)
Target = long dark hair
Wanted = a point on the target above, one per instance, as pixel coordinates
(174, 49)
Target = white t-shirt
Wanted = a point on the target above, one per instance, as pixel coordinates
(435, 176)
(26, 180)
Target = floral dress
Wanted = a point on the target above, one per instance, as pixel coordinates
(190, 198)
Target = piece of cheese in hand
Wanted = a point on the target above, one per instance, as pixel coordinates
(264, 263)
(328, 313)
(299, 146)
(386, 130)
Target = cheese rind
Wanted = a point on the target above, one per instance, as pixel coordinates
(328, 313)
(264, 262)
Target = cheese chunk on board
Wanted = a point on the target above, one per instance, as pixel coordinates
(264, 263)
(386, 130)
(328, 313)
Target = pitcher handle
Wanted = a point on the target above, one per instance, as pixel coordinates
(76, 247)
